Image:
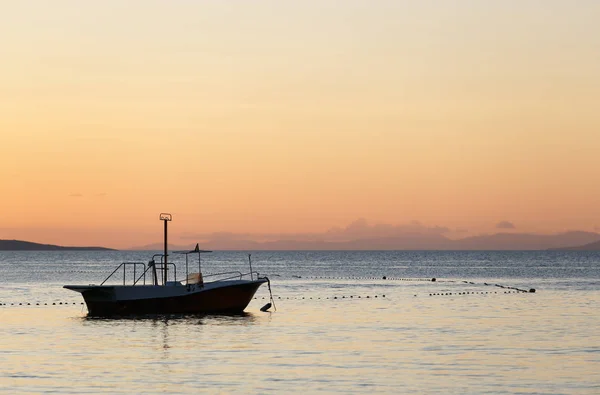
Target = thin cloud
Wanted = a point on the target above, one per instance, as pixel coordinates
(76, 195)
(505, 225)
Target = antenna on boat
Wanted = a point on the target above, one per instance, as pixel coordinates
(250, 263)
(165, 217)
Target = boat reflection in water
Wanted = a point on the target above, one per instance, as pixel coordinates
(228, 292)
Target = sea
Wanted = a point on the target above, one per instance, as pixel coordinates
(343, 322)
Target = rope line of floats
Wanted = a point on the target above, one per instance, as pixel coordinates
(352, 297)
(506, 290)
(383, 296)
(364, 278)
(429, 279)
(42, 304)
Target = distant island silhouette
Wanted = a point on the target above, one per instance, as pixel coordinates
(19, 245)
(595, 246)
(406, 241)
(413, 239)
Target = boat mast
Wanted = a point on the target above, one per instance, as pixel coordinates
(165, 217)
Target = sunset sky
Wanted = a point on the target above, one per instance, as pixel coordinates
(267, 117)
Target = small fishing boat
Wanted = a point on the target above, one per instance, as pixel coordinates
(228, 292)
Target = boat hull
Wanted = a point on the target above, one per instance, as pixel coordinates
(227, 298)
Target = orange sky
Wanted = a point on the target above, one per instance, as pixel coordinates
(275, 117)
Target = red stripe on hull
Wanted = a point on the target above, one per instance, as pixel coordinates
(228, 299)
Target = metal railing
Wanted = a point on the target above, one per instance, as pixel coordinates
(216, 277)
(232, 275)
(160, 266)
(124, 265)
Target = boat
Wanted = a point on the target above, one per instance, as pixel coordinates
(154, 288)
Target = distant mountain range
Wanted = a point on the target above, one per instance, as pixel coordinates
(18, 245)
(524, 241)
(414, 241)
(595, 246)
(567, 241)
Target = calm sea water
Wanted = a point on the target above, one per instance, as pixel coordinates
(339, 327)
